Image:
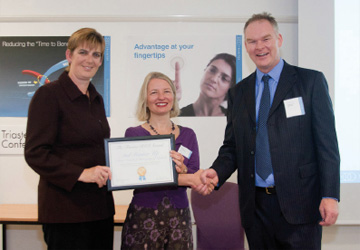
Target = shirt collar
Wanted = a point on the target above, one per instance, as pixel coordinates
(274, 73)
(73, 91)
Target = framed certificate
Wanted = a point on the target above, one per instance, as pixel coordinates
(138, 162)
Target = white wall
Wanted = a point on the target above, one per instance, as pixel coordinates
(120, 18)
(317, 51)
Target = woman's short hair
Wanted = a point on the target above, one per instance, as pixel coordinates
(87, 36)
(143, 112)
(229, 59)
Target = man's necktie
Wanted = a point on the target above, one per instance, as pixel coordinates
(263, 157)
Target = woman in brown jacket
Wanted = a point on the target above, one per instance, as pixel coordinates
(65, 145)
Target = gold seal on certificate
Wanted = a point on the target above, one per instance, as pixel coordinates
(138, 162)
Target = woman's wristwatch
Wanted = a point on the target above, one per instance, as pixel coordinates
(184, 171)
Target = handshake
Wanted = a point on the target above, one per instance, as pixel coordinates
(202, 181)
(205, 181)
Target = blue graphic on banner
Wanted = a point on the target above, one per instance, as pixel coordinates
(106, 63)
(56, 67)
(238, 58)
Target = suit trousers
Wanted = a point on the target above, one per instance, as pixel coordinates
(271, 230)
(85, 235)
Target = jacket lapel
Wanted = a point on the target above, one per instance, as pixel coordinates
(286, 82)
(249, 93)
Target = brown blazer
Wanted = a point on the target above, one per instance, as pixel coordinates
(65, 134)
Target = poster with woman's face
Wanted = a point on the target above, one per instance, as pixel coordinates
(203, 68)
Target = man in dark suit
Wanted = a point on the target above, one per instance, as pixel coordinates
(281, 137)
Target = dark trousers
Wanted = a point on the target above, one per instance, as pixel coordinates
(85, 235)
(272, 231)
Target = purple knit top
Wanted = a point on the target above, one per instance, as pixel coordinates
(151, 197)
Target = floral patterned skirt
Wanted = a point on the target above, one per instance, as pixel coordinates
(163, 228)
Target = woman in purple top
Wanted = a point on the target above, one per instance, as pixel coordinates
(159, 217)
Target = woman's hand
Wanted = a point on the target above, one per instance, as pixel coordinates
(190, 180)
(179, 161)
(196, 178)
(97, 174)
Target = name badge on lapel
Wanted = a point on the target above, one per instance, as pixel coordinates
(294, 107)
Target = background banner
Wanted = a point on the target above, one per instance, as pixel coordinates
(192, 53)
(29, 62)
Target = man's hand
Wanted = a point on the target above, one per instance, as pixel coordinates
(209, 179)
(329, 211)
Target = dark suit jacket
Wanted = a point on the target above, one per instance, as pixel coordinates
(65, 134)
(304, 149)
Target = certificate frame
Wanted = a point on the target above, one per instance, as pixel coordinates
(140, 162)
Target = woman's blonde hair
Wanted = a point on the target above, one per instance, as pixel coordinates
(143, 112)
(87, 36)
